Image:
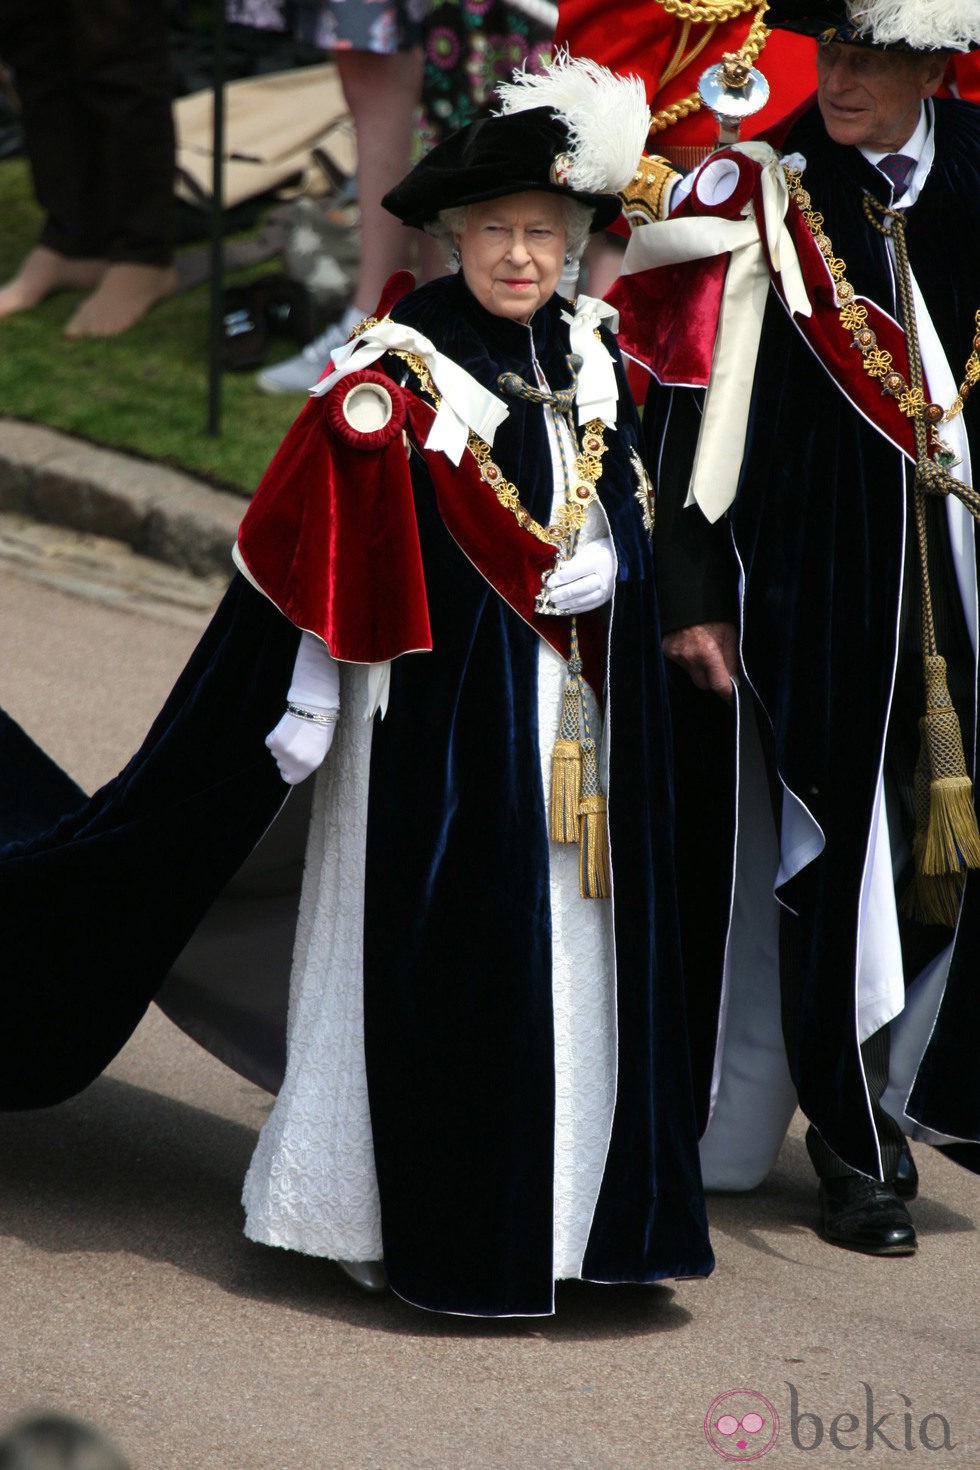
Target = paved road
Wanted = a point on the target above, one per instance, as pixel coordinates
(131, 1297)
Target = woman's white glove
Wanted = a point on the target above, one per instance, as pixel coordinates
(300, 742)
(299, 746)
(586, 579)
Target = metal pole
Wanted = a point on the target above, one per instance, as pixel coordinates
(217, 221)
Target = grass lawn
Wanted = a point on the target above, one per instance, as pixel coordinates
(145, 391)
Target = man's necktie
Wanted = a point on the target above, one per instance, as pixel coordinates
(897, 167)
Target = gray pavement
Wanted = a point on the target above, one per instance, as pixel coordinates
(157, 511)
(131, 1297)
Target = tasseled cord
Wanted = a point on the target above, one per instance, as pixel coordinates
(566, 762)
(578, 807)
(593, 859)
(947, 840)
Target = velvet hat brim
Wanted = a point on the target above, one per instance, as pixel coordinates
(492, 157)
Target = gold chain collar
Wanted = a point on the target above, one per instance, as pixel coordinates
(581, 490)
(853, 317)
(947, 839)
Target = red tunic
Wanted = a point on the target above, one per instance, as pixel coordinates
(964, 76)
(643, 38)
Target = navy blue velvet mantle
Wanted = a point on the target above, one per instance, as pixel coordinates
(457, 929)
(99, 895)
(97, 905)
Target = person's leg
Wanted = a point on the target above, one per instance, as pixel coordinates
(384, 139)
(381, 92)
(36, 42)
(43, 273)
(856, 1212)
(122, 55)
(891, 1139)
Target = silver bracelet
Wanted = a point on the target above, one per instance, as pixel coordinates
(315, 716)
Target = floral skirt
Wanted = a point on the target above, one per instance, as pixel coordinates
(471, 46)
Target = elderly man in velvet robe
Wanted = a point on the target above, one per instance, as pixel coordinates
(818, 574)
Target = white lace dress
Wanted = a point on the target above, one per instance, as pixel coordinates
(312, 1185)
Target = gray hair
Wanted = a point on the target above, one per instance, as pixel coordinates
(449, 223)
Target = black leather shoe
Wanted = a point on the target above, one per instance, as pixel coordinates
(906, 1180)
(862, 1214)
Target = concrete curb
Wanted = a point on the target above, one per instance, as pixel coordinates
(160, 512)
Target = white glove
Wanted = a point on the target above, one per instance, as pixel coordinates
(300, 742)
(586, 579)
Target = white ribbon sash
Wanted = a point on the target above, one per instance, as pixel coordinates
(717, 462)
(466, 406)
(598, 391)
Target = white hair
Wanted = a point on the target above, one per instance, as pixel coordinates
(450, 223)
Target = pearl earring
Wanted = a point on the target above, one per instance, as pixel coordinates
(454, 256)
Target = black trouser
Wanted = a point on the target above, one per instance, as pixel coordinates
(94, 82)
(874, 1056)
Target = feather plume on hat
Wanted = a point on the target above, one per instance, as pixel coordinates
(606, 117)
(579, 130)
(888, 25)
(923, 25)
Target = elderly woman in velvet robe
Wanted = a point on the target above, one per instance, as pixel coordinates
(487, 1085)
(445, 608)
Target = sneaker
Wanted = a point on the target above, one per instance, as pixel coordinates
(298, 374)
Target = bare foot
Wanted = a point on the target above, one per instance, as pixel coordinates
(123, 296)
(43, 273)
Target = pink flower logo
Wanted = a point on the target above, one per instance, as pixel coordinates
(741, 1425)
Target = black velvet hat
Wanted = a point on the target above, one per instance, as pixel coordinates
(492, 157)
(884, 25)
(576, 130)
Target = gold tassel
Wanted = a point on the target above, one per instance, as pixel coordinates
(566, 759)
(952, 840)
(934, 900)
(947, 839)
(566, 790)
(593, 866)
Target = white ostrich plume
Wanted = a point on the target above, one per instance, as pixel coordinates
(606, 115)
(925, 25)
